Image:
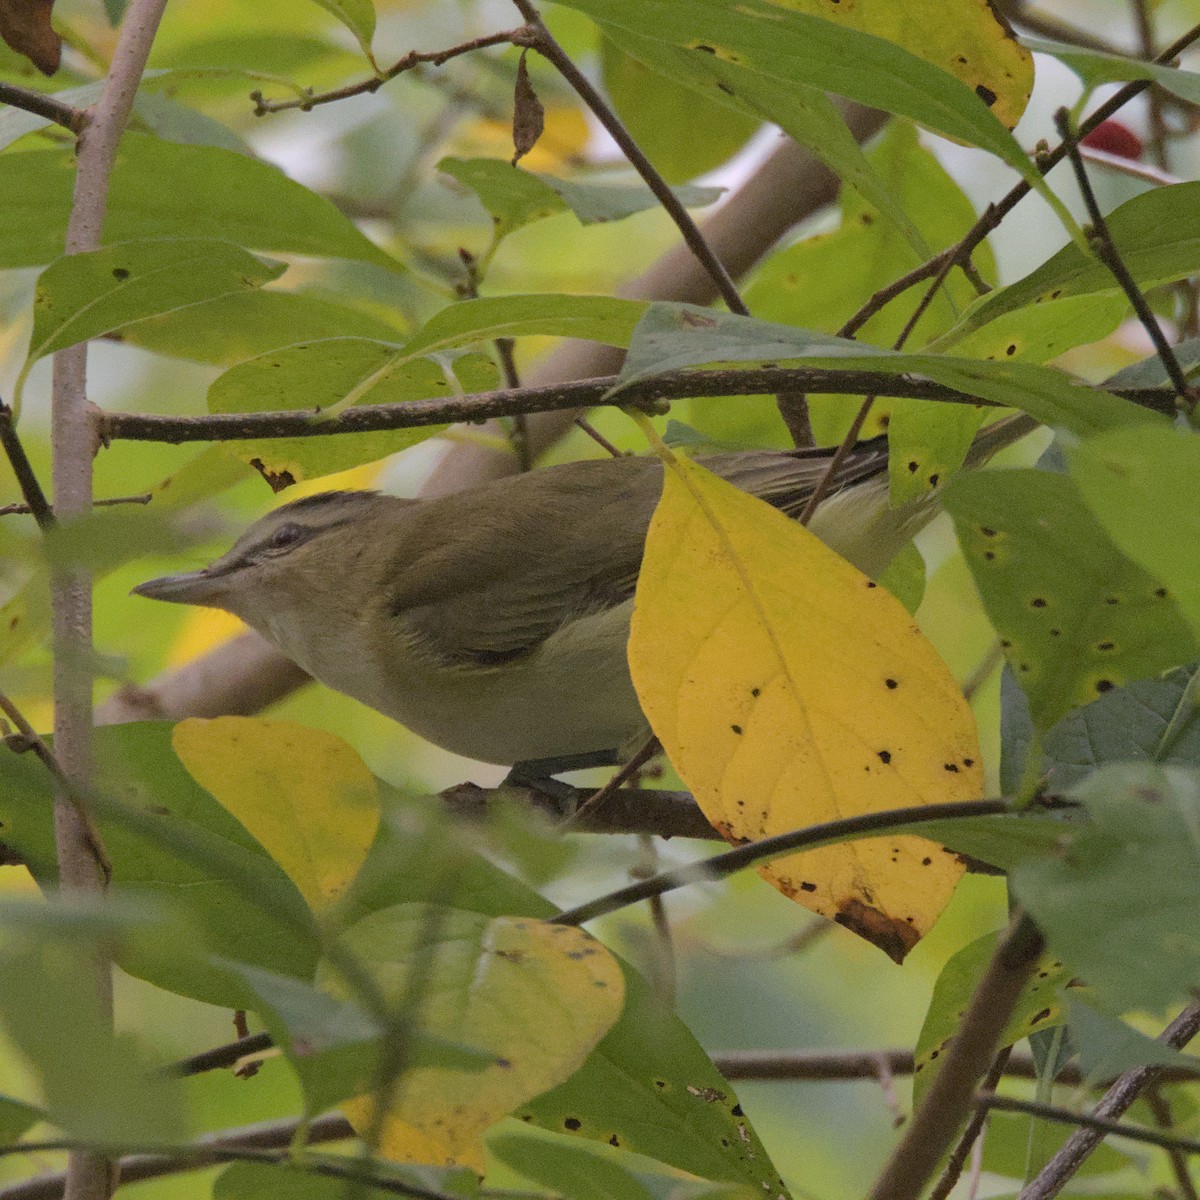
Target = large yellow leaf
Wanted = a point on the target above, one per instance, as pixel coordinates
(303, 793)
(963, 37)
(539, 997)
(788, 690)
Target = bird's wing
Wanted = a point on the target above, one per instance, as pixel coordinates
(500, 577)
(503, 576)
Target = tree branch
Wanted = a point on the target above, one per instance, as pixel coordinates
(542, 40)
(42, 105)
(27, 479)
(948, 1101)
(1055, 1175)
(723, 865)
(90, 1176)
(550, 398)
(1106, 250)
(414, 58)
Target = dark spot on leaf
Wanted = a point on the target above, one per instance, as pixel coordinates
(706, 49)
(951, 767)
(1105, 685)
(913, 465)
(614, 1140)
(985, 94)
(1106, 645)
(1012, 349)
(1056, 633)
(892, 684)
(736, 728)
(1161, 593)
(1038, 602)
(925, 862)
(1112, 599)
(871, 583)
(1005, 644)
(968, 762)
(805, 886)
(933, 479)
(724, 87)
(120, 273)
(737, 1111)
(987, 531)
(1040, 1016)
(885, 756)
(572, 1123)
(660, 1083)
(989, 554)
(894, 938)
(1023, 667)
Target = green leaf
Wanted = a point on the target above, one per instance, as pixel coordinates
(320, 375)
(1108, 1047)
(1012, 1136)
(595, 318)
(498, 977)
(905, 577)
(683, 132)
(81, 296)
(776, 50)
(1095, 67)
(244, 324)
(300, 1180)
(1003, 840)
(1120, 901)
(333, 1045)
(516, 197)
(1157, 234)
(16, 1117)
(213, 193)
(238, 902)
(674, 337)
(98, 1088)
(1150, 720)
(1142, 487)
(1076, 617)
(358, 16)
(1038, 1007)
(586, 1172)
(650, 1088)
(804, 113)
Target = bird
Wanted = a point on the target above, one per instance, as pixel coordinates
(493, 621)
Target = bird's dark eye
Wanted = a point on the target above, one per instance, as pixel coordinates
(285, 536)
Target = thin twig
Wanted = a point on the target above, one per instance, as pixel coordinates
(973, 1132)
(35, 499)
(42, 105)
(1088, 1121)
(947, 1103)
(477, 406)
(1160, 1109)
(267, 1135)
(1106, 250)
(1146, 172)
(723, 865)
(597, 437)
(1144, 23)
(1055, 1175)
(644, 753)
(544, 43)
(414, 58)
(32, 740)
(9, 510)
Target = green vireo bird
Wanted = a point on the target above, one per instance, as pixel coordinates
(493, 621)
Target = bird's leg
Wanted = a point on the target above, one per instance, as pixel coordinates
(538, 773)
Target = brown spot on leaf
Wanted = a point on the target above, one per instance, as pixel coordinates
(805, 886)
(985, 94)
(893, 937)
(885, 756)
(277, 481)
(572, 1123)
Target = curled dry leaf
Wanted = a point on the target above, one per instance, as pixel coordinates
(529, 117)
(25, 26)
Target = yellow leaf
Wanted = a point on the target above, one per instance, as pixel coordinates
(789, 690)
(304, 794)
(487, 981)
(963, 37)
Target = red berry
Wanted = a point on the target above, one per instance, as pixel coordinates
(1115, 138)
